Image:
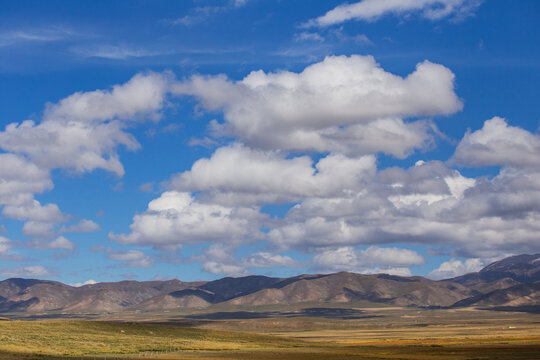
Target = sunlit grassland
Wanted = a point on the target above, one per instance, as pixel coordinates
(391, 333)
(77, 338)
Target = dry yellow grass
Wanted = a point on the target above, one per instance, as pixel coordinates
(406, 334)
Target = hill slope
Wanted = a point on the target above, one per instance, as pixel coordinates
(510, 282)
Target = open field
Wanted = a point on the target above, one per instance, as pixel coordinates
(329, 333)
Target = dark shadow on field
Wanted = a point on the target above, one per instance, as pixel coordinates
(533, 309)
(390, 352)
(52, 316)
(330, 313)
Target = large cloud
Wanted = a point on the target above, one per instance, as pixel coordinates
(20, 180)
(5, 245)
(34, 271)
(142, 97)
(80, 133)
(330, 106)
(83, 131)
(497, 144)
(427, 204)
(132, 258)
(371, 260)
(177, 218)
(220, 259)
(370, 10)
(455, 267)
(237, 174)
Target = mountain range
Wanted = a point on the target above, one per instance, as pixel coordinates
(511, 283)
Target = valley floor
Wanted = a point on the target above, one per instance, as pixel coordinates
(328, 333)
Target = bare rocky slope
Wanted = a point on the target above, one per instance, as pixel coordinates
(510, 282)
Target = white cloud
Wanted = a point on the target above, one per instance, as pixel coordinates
(220, 259)
(371, 10)
(61, 243)
(371, 260)
(141, 97)
(454, 267)
(114, 52)
(317, 108)
(133, 258)
(237, 174)
(36, 271)
(34, 211)
(399, 271)
(5, 245)
(497, 143)
(203, 14)
(215, 267)
(83, 226)
(426, 204)
(21, 179)
(34, 35)
(177, 218)
(268, 260)
(308, 36)
(38, 229)
(87, 282)
(82, 131)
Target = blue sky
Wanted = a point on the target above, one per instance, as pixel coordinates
(197, 139)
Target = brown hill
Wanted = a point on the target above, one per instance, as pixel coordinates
(345, 287)
(508, 282)
(522, 295)
(519, 268)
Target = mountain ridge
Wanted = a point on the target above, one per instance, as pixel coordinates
(513, 281)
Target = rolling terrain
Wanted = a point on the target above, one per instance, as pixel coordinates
(511, 282)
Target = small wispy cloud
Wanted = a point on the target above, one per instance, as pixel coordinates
(203, 14)
(198, 15)
(114, 52)
(36, 271)
(45, 34)
(308, 36)
(372, 10)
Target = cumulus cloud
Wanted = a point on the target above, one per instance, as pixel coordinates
(132, 258)
(61, 243)
(220, 259)
(427, 204)
(82, 131)
(454, 267)
(141, 97)
(20, 179)
(498, 144)
(268, 260)
(177, 218)
(83, 226)
(5, 245)
(36, 271)
(318, 108)
(34, 211)
(371, 10)
(237, 174)
(372, 260)
(38, 229)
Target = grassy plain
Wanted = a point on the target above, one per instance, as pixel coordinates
(370, 333)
